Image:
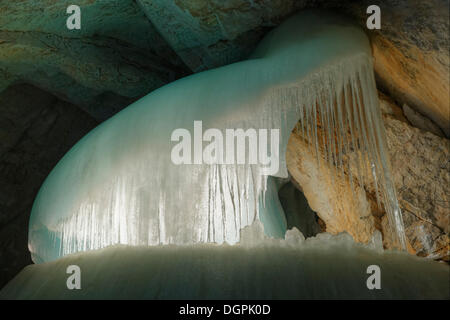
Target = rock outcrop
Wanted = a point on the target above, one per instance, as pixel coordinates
(127, 48)
(115, 58)
(421, 173)
(421, 122)
(411, 55)
(329, 195)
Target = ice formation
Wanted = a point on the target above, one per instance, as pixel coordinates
(118, 184)
(258, 267)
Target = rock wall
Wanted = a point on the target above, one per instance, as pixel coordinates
(421, 172)
(329, 195)
(36, 130)
(127, 48)
(115, 58)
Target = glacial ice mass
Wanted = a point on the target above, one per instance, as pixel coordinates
(118, 184)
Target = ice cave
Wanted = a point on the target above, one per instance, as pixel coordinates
(141, 226)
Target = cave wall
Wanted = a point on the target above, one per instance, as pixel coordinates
(127, 48)
(115, 58)
(36, 130)
(421, 172)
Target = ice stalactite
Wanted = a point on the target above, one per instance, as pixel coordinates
(119, 185)
(340, 118)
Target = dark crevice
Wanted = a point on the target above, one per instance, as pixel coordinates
(298, 212)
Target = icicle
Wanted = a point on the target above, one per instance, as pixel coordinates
(118, 185)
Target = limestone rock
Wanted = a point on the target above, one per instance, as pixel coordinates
(329, 194)
(208, 34)
(421, 122)
(390, 108)
(127, 48)
(115, 58)
(411, 55)
(421, 172)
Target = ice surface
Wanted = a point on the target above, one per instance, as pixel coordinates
(326, 266)
(118, 185)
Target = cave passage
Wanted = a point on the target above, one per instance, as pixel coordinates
(298, 212)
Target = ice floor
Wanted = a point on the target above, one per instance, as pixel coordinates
(322, 267)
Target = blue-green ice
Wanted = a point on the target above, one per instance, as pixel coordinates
(118, 184)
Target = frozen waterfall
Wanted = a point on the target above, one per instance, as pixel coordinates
(118, 185)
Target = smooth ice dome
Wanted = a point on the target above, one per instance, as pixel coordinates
(118, 184)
